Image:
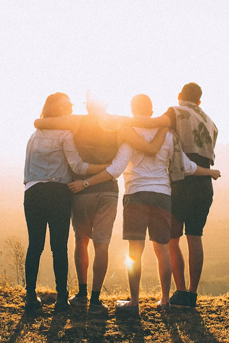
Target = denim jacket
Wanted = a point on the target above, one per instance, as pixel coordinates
(51, 155)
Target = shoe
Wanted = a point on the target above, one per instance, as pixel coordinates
(193, 298)
(163, 307)
(62, 303)
(122, 306)
(98, 308)
(78, 300)
(180, 299)
(32, 302)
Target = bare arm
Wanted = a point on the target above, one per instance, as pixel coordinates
(96, 168)
(215, 174)
(69, 122)
(191, 168)
(117, 166)
(75, 161)
(130, 136)
(149, 123)
(77, 186)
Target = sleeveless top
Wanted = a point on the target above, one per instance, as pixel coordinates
(97, 143)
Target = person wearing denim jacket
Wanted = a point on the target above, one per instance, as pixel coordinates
(51, 156)
(51, 161)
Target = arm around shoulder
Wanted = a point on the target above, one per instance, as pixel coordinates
(150, 123)
(79, 185)
(69, 122)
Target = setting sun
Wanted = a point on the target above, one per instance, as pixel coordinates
(110, 51)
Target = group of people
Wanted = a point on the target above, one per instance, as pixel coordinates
(72, 163)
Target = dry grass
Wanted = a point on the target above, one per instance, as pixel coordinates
(208, 323)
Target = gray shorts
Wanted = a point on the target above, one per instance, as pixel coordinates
(93, 215)
(147, 209)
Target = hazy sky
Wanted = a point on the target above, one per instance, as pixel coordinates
(117, 48)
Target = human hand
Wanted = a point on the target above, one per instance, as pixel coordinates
(76, 186)
(215, 174)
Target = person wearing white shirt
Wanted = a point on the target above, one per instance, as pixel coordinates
(147, 202)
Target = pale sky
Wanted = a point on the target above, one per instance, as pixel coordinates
(117, 48)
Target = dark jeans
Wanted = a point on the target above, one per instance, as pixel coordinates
(47, 203)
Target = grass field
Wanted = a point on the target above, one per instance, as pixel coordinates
(208, 323)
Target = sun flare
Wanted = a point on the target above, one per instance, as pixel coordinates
(129, 262)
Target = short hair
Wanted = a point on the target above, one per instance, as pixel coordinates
(141, 104)
(57, 105)
(191, 92)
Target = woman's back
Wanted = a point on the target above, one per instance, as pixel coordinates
(51, 156)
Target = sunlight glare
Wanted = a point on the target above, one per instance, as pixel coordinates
(129, 262)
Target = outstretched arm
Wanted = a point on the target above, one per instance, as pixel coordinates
(69, 122)
(129, 135)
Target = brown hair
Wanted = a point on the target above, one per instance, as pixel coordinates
(191, 92)
(56, 105)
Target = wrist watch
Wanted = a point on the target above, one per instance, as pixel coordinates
(86, 184)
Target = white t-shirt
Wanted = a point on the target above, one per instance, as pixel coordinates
(143, 172)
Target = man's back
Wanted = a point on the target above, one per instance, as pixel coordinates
(95, 143)
(197, 134)
(196, 130)
(146, 173)
(192, 197)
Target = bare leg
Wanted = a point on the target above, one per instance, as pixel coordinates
(177, 263)
(81, 259)
(165, 269)
(100, 265)
(134, 272)
(196, 258)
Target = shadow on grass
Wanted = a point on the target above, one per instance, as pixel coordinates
(57, 326)
(96, 327)
(187, 323)
(75, 326)
(130, 327)
(24, 324)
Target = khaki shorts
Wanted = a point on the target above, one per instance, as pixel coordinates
(93, 215)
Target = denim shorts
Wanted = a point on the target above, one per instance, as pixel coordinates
(147, 209)
(93, 215)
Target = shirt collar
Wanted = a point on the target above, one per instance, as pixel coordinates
(186, 103)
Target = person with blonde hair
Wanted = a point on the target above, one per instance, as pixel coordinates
(97, 136)
(51, 161)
